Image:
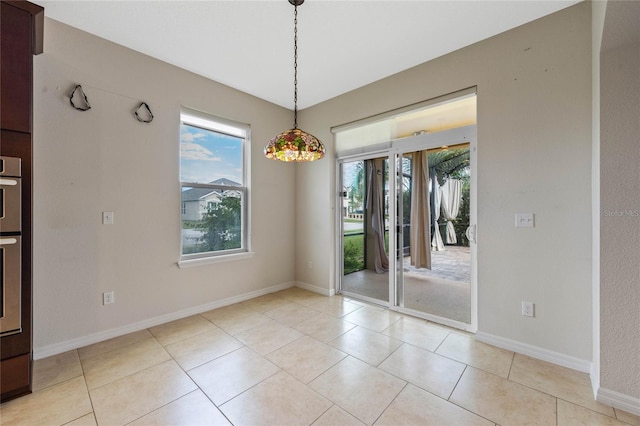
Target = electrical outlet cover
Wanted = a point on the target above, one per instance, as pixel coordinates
(108, 298)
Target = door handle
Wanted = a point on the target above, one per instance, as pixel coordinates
(471, 234)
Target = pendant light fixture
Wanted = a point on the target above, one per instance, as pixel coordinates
(294, 144)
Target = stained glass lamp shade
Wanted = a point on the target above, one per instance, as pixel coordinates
(294, 144)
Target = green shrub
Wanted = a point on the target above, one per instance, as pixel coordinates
(353, 253)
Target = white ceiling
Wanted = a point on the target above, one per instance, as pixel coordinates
(342, 44)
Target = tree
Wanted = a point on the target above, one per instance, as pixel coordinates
(447, 164)
(221, 225)
(358, 187)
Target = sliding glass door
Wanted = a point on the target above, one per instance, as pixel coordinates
(410, 209)
(433, 272)
(365, 228)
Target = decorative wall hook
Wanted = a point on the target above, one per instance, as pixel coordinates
(84, 102)
(149, 114)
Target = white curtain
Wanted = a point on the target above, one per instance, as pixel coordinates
(436, 242)
(420, 229)
(451, 198)
(374, 205)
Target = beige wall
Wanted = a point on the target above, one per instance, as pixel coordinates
(598, 9)
(534, 155)
(620, 200)
(105, 160)
(534, 151)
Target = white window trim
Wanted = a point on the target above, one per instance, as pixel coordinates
(201, 261)
(204, 120)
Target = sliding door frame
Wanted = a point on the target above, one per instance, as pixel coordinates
(370, 155)
(393, 150)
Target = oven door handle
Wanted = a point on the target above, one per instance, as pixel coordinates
(8, 182)
(7, 241)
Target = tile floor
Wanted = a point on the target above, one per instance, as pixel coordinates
(298, 358)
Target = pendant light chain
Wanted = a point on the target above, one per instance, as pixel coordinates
(294, 144)
(295, 65)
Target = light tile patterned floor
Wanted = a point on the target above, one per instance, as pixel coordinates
(297, 358)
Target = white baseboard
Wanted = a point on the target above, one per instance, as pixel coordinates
(535, 352)
(619, 400)
(58, 348)
(320, 290)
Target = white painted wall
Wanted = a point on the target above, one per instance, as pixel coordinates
(103, 159)
(620, 201)
(534, 155)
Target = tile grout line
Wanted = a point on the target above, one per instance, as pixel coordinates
(513, 358)
(139, 371)
(93, 409)
(172, 358)
(391, 402)
(162, 406)
(328, 368)
(323, 413)
(441, 343)
(151, 336)
(577, 404)
(402, 343)
(219, 407)
(462, 407)
(84, 373)
(457, 382)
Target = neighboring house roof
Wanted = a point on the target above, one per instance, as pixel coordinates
(196, 194)
(225, 181)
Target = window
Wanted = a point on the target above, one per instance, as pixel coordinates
(213, 180)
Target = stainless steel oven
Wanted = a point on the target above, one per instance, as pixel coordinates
(10, 245)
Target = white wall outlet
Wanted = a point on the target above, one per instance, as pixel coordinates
(108, 298)
(107, 218)
(524, 220)
(527, 309)
(310, 264)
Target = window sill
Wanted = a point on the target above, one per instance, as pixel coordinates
(182, 264)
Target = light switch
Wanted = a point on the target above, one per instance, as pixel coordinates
(524, 220)
(107, 218)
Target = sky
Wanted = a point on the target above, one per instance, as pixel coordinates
(206, 156)
(349, 172)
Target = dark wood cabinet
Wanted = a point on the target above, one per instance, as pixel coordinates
(21, 32)
(16, 82)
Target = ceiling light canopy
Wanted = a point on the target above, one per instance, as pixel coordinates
(294, 144)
